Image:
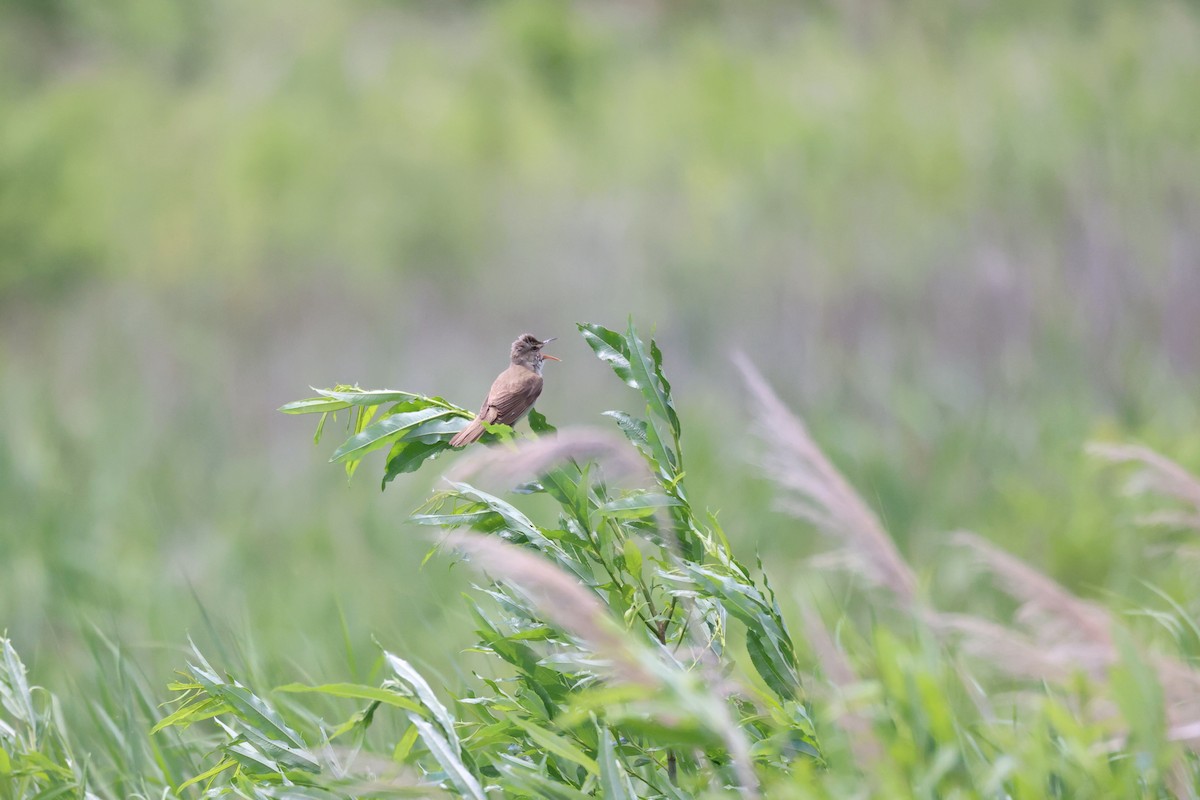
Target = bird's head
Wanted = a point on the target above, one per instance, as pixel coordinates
(527, 351)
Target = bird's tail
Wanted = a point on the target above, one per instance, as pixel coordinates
(468, 434)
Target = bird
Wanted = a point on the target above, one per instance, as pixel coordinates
(514, 390)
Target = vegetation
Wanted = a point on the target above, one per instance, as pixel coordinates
(617, 669)
(959, 237)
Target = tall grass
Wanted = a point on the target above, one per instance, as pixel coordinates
(616, 669)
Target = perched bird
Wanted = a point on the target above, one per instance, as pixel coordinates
(513, 392)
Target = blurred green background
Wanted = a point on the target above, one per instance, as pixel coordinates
(963, 239)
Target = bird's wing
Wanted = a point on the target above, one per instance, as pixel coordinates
(513, 392)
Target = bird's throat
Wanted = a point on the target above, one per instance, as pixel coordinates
(531, 363)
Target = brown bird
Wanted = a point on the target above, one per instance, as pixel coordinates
(513, 392)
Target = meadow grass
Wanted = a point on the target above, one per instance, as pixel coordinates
(1059, 695)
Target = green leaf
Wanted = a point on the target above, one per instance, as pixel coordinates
(568, 485)
(441, 429)
(456, 770)
(383, 432)
(767, 640)
(406, 456)
(497, 432)
(641, 369)
(633, 428)
(538, 423)
(406, 673)
(211, 773)
(282, 753)
(647, 372)
(507, 517)
(314, 405)
(405, 745)
(642, 504)
(633, 558)
(558, 745)
(612, 783)
(363, 416)
(377, 397)
(528, 779)
(19, 692)
(610, 348)
(336, 400)
(251, 759)
(769, 660)
(253, 710)
(189, 713)
(471, 519)
(358, 692)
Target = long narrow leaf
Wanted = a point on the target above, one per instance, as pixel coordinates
(252, 709)
(612, 780)
(455, 769)
(357, 692)
(647, 371)
(383, 432)
(560, 746)
(409, 675)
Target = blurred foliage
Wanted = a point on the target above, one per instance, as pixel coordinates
(161, 142)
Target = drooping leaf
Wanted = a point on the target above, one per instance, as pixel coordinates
(641, 504)
(358, 692)
(506, 516)
(209, 773)
(385, 431)
(611, 348)
(313, 405)
(189, 713)
(408, 456)
(424, 692)
(336, 400)
(250, 708)
(456, 771)
(538, 423)
(377, 397)
(283, 754)
(767, 640)
(568, 485)
(633, 428)
(481, 520)
(559, 745)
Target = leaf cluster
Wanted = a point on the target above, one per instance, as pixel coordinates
(413, 427)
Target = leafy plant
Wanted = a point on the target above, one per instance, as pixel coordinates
(612, 631)
(415, 427)
(633, 656)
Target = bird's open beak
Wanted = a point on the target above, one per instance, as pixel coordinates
(548, 341)
(552, 358)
